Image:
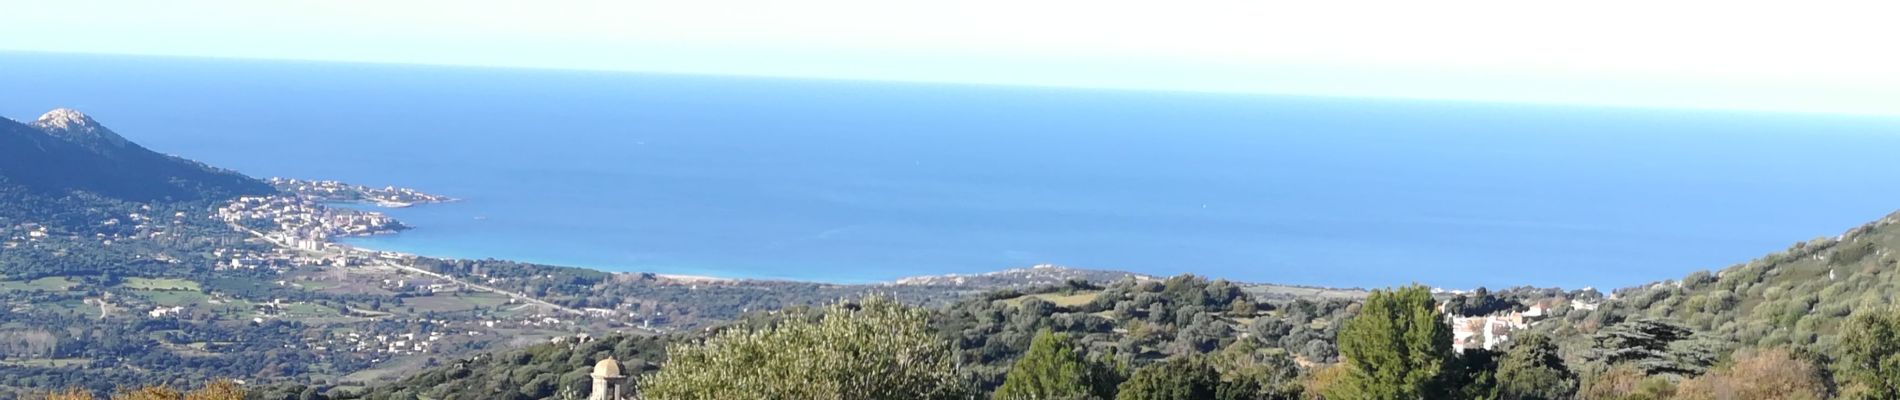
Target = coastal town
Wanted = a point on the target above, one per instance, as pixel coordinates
(330, 191)
(293, 237)
(301, 224)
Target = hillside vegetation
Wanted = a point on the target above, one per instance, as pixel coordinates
(1810, 322)
(1796, 298)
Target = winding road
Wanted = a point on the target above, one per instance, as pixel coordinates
(419, 271)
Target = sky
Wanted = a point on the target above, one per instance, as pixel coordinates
(1811, 56)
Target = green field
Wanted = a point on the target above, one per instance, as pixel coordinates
(307, 310)
(314, 314)
(1072, 300)
(448, 303)
(70, 307)
(1060, 300)
(171, 298)
(388, 370)
(55, 284)
(316, 285)
(159, 284)
(47, 362)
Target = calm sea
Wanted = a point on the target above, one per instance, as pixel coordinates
(857, 181)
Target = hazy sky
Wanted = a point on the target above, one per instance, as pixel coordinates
(1798, 56)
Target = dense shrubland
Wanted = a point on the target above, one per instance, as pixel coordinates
(1189, 338)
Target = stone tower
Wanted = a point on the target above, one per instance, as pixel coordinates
(607, 381)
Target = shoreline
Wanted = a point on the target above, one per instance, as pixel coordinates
(691, 277)
(943, 279)
(702, 275)
(699, 275)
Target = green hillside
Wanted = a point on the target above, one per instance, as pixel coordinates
(1796, 298)
(1771, 327)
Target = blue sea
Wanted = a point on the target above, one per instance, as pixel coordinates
(848, 181)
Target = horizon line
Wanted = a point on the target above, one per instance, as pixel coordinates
(979, 83)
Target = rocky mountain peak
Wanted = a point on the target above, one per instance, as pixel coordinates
(75, 126)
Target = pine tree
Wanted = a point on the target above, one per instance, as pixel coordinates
(1654, 347)
(1397, 347)
(1532, 370)
(1473, 375)
(1052, 369)
(1870, 355)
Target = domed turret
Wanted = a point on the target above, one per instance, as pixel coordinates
(607, 368)
(608, 381)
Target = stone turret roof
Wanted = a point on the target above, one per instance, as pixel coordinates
(607, 368)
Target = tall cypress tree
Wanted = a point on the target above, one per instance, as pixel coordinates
(1397, 347)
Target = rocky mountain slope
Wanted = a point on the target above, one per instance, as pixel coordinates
(65, 151)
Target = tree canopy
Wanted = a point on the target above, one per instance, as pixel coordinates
(1532, 370)
(1053, 369)
(1870, 355)
(874, 349)
(1397, 347)
(1179, 378)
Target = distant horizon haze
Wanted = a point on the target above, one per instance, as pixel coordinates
(1365, 77)
(1698, 54)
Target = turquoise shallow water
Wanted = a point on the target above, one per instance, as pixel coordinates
(858, 181)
